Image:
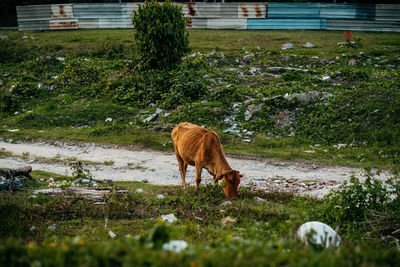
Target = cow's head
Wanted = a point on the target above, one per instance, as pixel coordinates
(231, 180)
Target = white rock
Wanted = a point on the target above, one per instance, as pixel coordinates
(175, 245)
(139, 190)
(287, 46)
(318, 233)
(111, 234)
(169, 218)
(160, 196)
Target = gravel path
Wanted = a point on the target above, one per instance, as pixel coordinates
(162, 168)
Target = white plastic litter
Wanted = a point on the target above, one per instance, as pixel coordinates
(318, 233)
(169, 218)
(108, 120)
(308, 45)
(287, 46)
(160, 196)
(175, 245)
(226, 203)
(111, 234)
(139, 190)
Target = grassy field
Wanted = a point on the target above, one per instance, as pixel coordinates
(257, 229)
(298, 104)
(63, 85)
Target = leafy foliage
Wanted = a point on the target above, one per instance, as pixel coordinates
(160, 37)
(371, 205)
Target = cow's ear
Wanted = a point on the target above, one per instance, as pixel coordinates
(241, 176)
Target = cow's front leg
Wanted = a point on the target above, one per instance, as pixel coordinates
(198, 168)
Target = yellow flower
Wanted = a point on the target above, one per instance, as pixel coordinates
(53, 244)
(81, 242)
(30, 245)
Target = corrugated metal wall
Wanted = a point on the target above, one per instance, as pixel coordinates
(319, 16)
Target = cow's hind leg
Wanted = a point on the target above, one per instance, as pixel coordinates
(198, 174)
(182, 170)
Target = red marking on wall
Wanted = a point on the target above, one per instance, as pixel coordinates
(245, 11)
(63, 25)
(258, 12)
(192, 10)
(62, 12)
(188, 23)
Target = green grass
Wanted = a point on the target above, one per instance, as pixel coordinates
(263, 233)
(78, 94)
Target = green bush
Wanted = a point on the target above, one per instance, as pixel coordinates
(160, 37)
(371, 205)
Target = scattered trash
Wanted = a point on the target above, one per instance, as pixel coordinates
(308, 45)
(254, 70)
(111, 234)
(259, 199)
(226, 203)
(52, 227)
(175, 245)
(318, 233)
(352, 62)
(169, 218)
(108, 120)
(228, 221)
(287, 46)
(4, 37)
(160, 196)
(339, 146)
(60, 58)
(248, 57)
(139, 190)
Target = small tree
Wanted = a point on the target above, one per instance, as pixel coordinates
(160, 37)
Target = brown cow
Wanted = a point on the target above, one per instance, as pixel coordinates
(201, 148)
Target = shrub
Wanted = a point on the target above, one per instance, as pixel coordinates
(160, 37)
(370, 206)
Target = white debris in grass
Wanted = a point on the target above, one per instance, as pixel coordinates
(175, 245)
(169, 218)
(139, 190)
(111, 234)
(318, 233)
(160, 196)
(108, 120)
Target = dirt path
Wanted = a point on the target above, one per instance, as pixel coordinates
(162, 168)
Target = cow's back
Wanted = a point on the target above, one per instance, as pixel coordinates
(189, 141)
